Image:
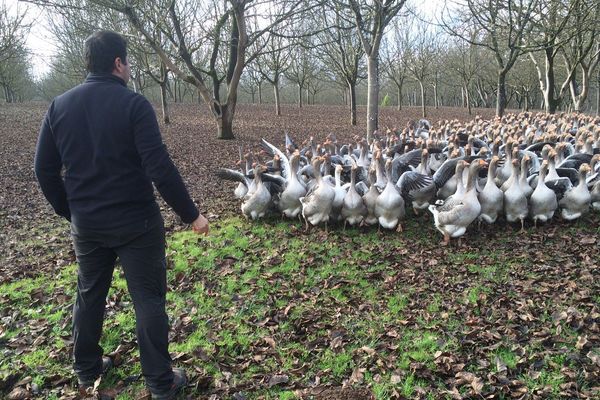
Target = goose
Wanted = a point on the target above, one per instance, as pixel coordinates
(370, 198)
(528, 190)
(453, 216)
(353, 209)
(491, 197)
(389, 207)
(506, 171)
(543, 201)
(381, 178)
(446, 178)
(595, 196)
(515, 200)
(417, 187)
(289, 200)
(576, 201)
(340, 193)
(256, 204)
(316, 205)
(514, 176)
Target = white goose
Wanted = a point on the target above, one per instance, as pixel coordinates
(515, 200)
(353, 209)
(289, 201)
(454, 216)
(491, 197)
(389, 207)
(316, 205)
(543, 201)
(576, 201)
(256, 204)
(340, 193)
(370, 198)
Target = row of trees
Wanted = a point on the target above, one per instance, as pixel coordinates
(15, 75)
(476, 53)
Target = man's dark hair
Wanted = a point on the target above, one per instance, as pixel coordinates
(101, 50)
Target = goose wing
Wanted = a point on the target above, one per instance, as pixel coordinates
(560, 186)
(412, 181)
(285, 163)
(232, 175)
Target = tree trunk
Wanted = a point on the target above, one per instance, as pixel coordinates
(423, 107)
(399, 87)
(163, 102)
(373, 95)
(501, 94)
(435, 97)
(468, 99)
(259, 93)
(225, 123)
(299, 95)
(277, 105)
(549, 99)
(352, 91)
(598, 94)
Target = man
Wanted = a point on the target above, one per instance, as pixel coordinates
(107, 139)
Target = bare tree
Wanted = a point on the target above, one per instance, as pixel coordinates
(503, 27)
(341, 50)
(372, 18)
(395, 50)
(420, 56)
(464, 60)
(211, 41)
(582, 52)
(272, 63)
(525, 84)
(15, 77)
(301, 67)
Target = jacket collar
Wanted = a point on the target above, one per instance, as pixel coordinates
(94, 77)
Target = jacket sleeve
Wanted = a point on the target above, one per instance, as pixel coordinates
(158, 164)
(47, 166)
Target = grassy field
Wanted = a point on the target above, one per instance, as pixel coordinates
(266, 310)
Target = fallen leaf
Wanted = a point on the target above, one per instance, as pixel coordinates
(278, 380)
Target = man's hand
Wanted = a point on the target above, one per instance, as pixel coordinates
(200, 225)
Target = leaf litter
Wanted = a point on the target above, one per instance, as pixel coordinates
(335, 315)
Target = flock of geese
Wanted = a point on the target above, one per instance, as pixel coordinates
(523, 166)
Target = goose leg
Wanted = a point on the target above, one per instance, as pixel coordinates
(399, 228)
(522, 226)
(446, 241)
(535, 223)
(344, 229)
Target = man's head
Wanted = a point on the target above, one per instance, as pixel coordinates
(106, 53)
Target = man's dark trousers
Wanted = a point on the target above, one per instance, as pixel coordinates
(141, 250)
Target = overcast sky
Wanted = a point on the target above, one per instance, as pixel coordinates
(42, 46)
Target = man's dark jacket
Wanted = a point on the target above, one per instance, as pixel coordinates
(108, 140)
